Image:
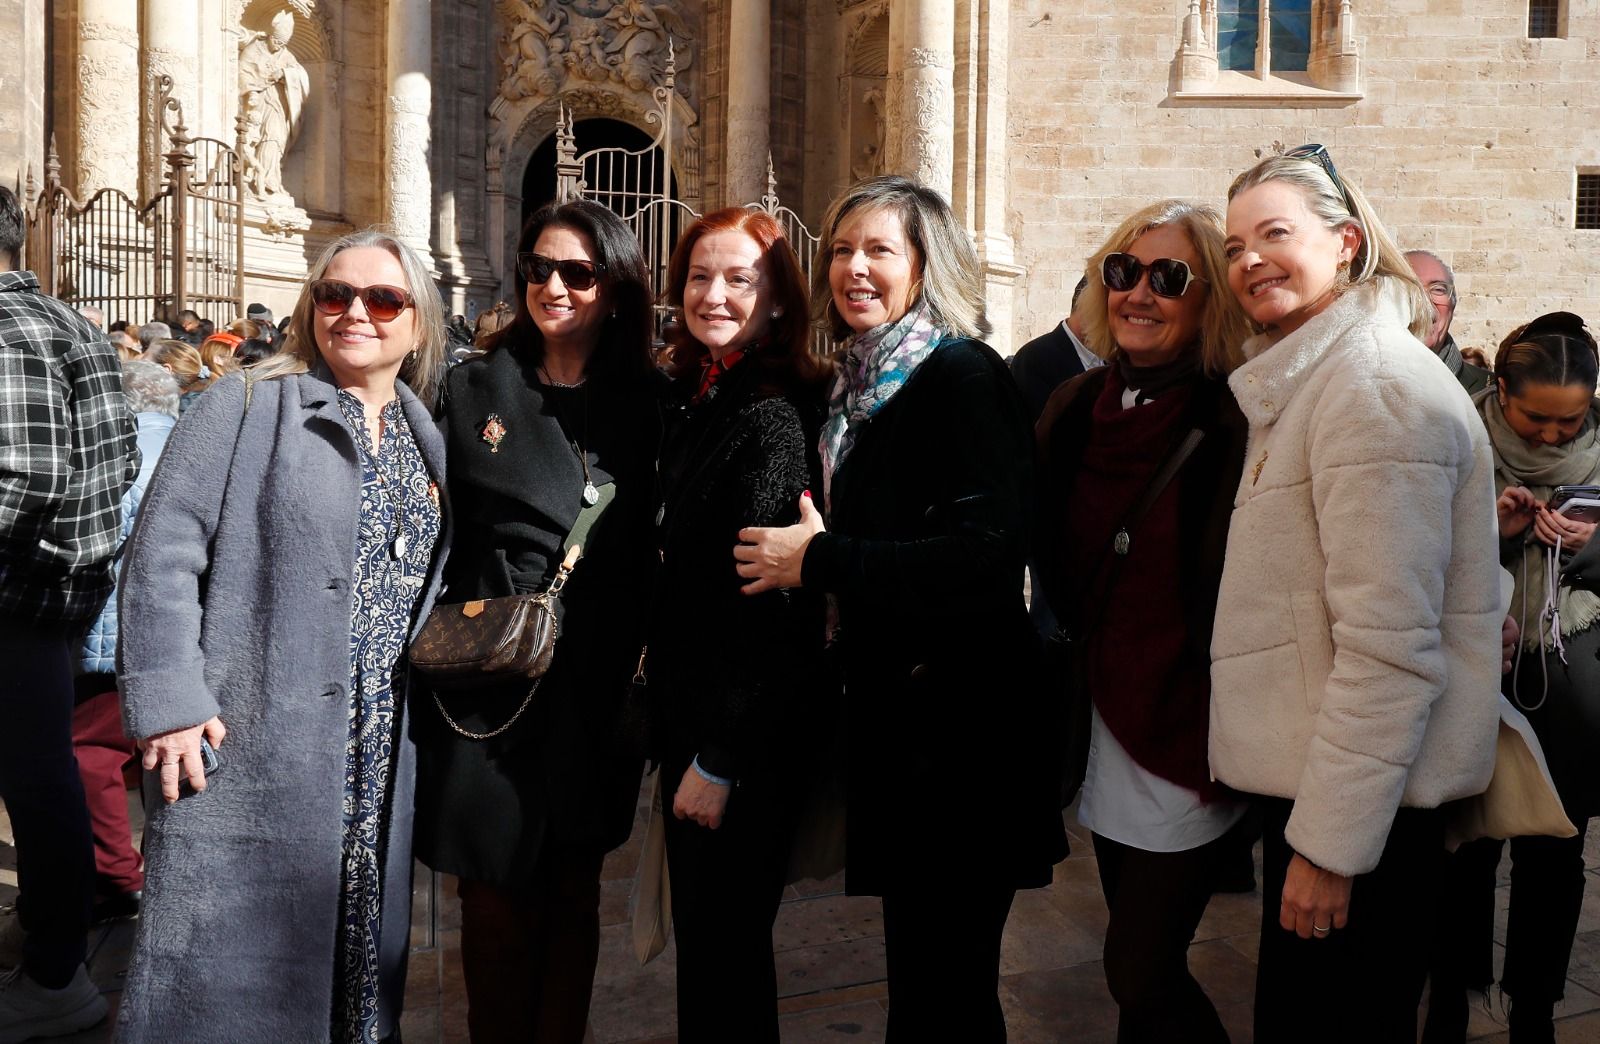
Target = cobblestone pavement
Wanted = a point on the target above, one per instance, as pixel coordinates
(830, 962)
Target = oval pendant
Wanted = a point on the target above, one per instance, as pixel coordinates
(400, 547)
(1121, 542)
(591, 496)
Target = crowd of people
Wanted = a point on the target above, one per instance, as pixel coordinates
(1287, 545)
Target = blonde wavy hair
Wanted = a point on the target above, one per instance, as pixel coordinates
(1223, 327)
(421, 369)
(948, 277)
(1378, 256)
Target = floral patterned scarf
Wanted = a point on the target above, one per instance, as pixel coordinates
(874, 365)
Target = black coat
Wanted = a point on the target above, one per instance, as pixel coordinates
(951, 775)
(733, 678)
(1043, 365)
(566, 775)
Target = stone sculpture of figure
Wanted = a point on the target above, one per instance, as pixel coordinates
(272, 92)
(535, 55)
(637, 49)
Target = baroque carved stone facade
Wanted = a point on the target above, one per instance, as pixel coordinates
(1043, 123)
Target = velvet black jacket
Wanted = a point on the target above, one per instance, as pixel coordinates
(733, 678)
(950, 765)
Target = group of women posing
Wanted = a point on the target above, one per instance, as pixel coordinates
(1282, 572)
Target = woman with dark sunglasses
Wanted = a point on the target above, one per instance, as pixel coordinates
(288, 547)
(1141, 610)
(551, 437)
(1357, 651)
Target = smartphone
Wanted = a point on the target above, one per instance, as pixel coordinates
(1563, 494)
(1580, 509)
(210, 763)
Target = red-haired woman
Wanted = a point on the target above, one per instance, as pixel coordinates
(727, 671)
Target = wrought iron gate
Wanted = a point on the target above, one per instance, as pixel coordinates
(182, 248)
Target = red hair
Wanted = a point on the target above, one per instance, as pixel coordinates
(786, 355)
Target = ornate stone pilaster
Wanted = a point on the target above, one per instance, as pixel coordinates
(107, 97)
(996, 250)
(921, 91)
(749, 99)
(1197, 57)
(170, 47)
(408, 178)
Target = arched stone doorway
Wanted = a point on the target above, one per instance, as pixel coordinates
(539, 177)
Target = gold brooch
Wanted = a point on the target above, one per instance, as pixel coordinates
(493, 432)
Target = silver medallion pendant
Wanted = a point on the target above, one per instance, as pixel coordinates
(1121, 542)
(591, 496)
(399, 547)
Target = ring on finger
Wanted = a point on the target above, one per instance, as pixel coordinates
(1318, 929)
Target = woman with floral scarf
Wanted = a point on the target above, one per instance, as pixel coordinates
(928, 481)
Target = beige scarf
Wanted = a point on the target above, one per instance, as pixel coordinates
(1541, 469)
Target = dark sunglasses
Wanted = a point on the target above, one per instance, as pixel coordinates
(575, 274)
(1169, 277)
(1318, 154)
(383, 303)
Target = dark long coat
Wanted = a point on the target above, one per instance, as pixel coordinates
(236, 601)
(564, 779)
(952, 771)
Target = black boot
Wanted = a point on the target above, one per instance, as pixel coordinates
(1447, 1014)
(1532, 1022)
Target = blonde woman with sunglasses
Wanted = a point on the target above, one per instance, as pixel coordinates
(1157, 308)
(1357, 649)
(289, 544)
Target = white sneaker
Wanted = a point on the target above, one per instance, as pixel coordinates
(28, 1010)
(11, 936)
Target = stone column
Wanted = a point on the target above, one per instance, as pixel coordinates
(407, 173)
(107, 98)
(171, 46)
(749, 100)
(921, 107)
(996, 250)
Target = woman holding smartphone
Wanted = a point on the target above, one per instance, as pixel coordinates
(1544, 425)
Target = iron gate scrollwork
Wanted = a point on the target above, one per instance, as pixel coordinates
(182, 248)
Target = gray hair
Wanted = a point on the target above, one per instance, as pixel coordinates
(93, 314)
(1378, 255)
(421, 370)
(1449, 273)
(152, 332)
(949, 279)
(149, 388)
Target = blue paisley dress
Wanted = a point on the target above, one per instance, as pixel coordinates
(398, 530)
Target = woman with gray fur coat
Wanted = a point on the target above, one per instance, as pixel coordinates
(284, 557)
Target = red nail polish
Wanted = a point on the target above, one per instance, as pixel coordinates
(806, 494)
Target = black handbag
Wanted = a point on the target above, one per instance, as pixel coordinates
(1065, 650)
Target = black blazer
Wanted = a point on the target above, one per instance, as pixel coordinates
(925, 549)
(1043, 365)
(733, 678)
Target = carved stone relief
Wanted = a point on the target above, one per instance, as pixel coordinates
(550, 44)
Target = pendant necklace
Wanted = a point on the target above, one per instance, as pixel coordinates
(591, 495)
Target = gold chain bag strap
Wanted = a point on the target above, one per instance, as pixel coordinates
(491, 641)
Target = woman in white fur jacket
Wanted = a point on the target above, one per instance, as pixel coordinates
(1356, 654)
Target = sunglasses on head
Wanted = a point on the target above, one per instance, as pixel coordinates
(1169, 277)
(1318, 154)
(383, 303)
(575, 274)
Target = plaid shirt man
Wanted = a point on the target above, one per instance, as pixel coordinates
(68, 450)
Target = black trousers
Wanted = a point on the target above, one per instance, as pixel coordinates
(43, 794)
(1363, 982)
(1547, 882)
(942, 943)
(528, 954)
(1156, 901)
(726, 884)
